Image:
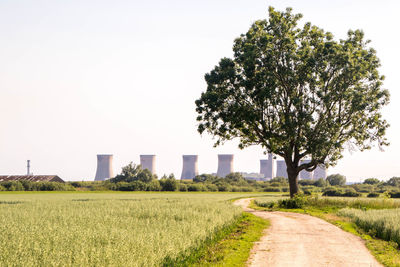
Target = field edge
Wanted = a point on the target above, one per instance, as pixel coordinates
(229, 246)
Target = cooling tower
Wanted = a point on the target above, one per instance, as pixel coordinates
(104, 167)
(281, 170)
(306, 175)
(320, 172)
(189, 169)
(267, 167)
(148, 162)
(225, 164)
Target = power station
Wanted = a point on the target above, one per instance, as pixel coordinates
(190, 167)
(267, 167)
(104, 167)
(320, 172)
(148, 162)
(225, 164)
(306, 175)
(281, 170)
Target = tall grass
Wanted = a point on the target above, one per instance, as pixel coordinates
(107, 229)
(357, 203)
(381, 223)
(337, 202)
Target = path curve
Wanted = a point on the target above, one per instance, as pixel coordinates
(295, 239)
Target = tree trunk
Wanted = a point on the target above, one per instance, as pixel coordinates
(293, 181)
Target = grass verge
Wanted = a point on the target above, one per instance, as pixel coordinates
(385, 252)
(228, 247)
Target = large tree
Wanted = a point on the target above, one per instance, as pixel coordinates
(297, 92)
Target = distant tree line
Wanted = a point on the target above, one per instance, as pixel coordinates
(35, 186)
(134, 178)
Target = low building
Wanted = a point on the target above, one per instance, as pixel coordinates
(32, 178)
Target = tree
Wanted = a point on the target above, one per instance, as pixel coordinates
(169, 183)
(296, 92)
(371, 181)
(336, 179)
(133, 172)
(394, 181)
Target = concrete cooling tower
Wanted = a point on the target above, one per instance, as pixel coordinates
(306, 175)
(104, 167)
(320, 172)
(281, 170)
(225, 164)
(148, 162)
(189, 169)
(267, 167)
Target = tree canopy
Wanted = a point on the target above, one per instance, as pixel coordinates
(336, 179)
(297, 92)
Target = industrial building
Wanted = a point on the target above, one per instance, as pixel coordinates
(190, 167)
(225, 164)
(306, 175)
(267, 167)
(31, 178)
(148, 162)
(281, 170)
(320, 172)
(104, 167)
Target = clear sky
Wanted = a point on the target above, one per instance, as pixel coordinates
(80, 78)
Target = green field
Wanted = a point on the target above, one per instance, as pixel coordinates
(108, 229)
(381, 223)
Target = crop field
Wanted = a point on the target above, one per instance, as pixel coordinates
(108, 229)
(382, 223)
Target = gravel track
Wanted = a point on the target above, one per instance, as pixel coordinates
(302, 240)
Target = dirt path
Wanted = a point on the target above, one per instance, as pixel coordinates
(301, 240)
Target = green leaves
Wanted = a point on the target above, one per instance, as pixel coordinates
(297, 92)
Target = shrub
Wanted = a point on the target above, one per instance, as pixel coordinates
(183, 187)
(394, 194)
(307, 192)
(132, 186)
(268, 204)
(336, 179)
(212, 187)
(320, 182)
(2, 188)
(394, 181)
(373, 194)
(169, 184)
(272, 189)
(281, 180)
(363, 188)
(350, 192)
(246, 189)
(196, 188)
(371, 181)
(306, 182)
(297, 202)
(13, 186)
(205, 178)
(154, 185)
(224, 187)
(332, 192)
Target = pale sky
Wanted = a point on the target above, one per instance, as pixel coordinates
(80, 78)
